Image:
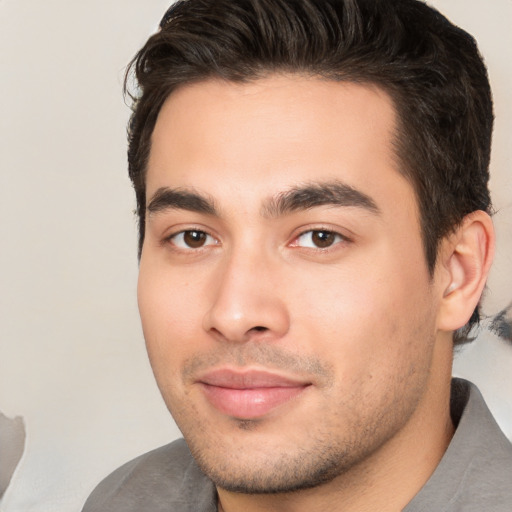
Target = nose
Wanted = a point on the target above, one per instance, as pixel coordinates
(247, 303)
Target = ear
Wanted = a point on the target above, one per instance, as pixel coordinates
(465, 258)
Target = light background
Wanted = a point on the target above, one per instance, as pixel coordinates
(72, 358)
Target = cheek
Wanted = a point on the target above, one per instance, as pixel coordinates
(366, 322)
(170, 311)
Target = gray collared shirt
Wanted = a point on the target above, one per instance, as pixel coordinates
(474, 475)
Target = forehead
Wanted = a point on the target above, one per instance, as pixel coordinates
(256, 139)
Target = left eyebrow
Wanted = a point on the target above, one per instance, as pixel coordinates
(334, 193)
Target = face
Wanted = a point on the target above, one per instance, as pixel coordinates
(286, 304)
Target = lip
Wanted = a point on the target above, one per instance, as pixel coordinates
(249, 394)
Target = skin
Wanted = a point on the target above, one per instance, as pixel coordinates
(358, 322)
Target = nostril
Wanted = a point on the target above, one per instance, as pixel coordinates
(259, 328)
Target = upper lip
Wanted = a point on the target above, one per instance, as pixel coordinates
(248, 379)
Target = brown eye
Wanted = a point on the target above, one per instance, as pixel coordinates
(323, 239)
(319, 239)
(192, 239)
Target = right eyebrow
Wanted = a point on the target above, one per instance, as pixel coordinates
(180, 199)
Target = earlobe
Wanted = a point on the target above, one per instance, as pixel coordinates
(466, 259)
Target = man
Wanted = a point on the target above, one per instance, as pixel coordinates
(311, 179)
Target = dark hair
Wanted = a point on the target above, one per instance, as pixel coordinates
(431, 69)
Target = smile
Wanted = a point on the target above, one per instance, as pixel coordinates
(249, 394)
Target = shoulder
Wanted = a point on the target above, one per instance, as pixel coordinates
(167, 478)
(475, 473)
(484, 458)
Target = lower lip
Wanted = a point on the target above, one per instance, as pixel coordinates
(249, 403)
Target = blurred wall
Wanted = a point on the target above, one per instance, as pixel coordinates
(72, 358)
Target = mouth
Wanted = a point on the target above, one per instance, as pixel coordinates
(249, 394)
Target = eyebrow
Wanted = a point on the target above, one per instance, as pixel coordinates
(180, 199)
(335, 193)
(302, 197)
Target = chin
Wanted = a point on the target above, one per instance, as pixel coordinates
(282, 474)
(255, 463)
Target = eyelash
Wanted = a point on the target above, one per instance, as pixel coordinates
(338, 239)
(171, 239)
(333, 238)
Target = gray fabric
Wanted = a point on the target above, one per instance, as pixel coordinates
(164, 480)
(475, 474)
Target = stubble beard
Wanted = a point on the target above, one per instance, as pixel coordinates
(321, 458)
(285, 474)
(338, 442)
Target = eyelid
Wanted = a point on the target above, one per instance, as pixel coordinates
(344, 239)
(168, 239)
